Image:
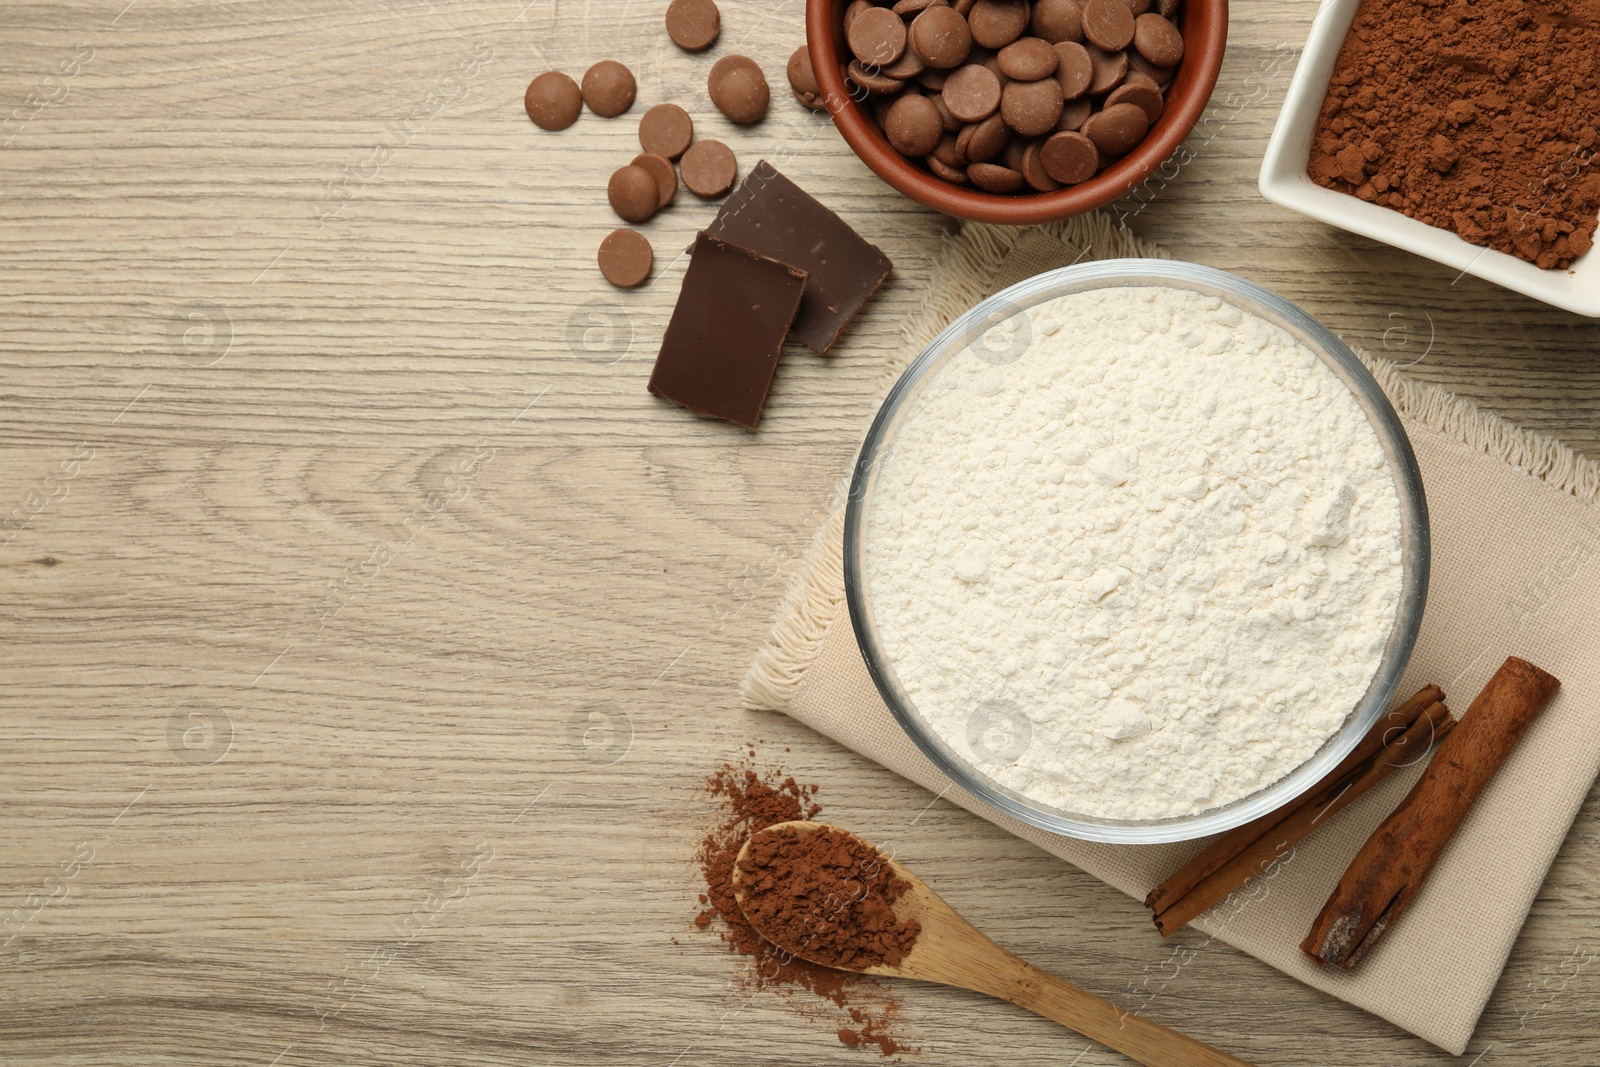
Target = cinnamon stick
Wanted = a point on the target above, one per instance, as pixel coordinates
(1327, 800)
(1229, 845)
(1386, 874)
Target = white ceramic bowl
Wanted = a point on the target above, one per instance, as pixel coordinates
(1284, 181)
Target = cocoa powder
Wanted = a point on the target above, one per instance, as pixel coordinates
(826, 895)
(1476, 116)
(746, 801)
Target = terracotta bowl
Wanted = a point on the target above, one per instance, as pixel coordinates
(1205, 35)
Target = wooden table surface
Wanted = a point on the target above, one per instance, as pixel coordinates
(368, 628)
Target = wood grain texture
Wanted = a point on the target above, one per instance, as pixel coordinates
(368, 626)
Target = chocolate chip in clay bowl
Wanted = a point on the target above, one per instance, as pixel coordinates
(1203, 25)
(1047, 550)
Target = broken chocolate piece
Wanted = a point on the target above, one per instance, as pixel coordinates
(771, 215)
(727, 330)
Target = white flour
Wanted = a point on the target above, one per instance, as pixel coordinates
(1143, 570)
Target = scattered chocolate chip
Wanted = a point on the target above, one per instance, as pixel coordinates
(666, 130)
(693, 25)
(1117, 129)
(972, 93)
(994, 179)
(1157, 40)
(739, 89)
(553, 101)
(950, 123)
(1069, 158)
(633, 193)
(1028, 59)
(877, 37)
(803, 80)
(940, 37)
(1057, 20)
(708, 169)
(996, 23)
(626, 258)
(608, 88)
(913, 125)
(666, 178)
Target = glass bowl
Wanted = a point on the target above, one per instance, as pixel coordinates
(1248, 297)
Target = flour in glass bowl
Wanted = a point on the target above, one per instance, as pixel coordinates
(1143, 570)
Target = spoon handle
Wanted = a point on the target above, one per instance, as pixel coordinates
(1147, 1042)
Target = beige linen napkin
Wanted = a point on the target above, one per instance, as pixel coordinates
(1516, 532)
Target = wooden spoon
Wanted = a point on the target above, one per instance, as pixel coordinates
(951, 951)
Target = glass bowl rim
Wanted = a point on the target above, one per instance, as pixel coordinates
(1415, 544)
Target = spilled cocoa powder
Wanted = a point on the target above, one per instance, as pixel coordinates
(747, 801)
(827, 895)
(1477, 116)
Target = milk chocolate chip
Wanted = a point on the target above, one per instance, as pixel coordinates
(633, 193)
(693, 25)
(913, 126)
(1108, 24)
(626, 258)
(1157, 40)
(666, 130)
(1146, 96)
(553, 101)
(996, 23)
(1031, 108)
(708, 169)
(1117, 129)
(1109, 69)
(803, 80)
(972, 93)
(941, 37)
(1057, 20)
(608, 88)
(1074, 69)
(660, 168)
(982, 141)
(739, 89)
(994, 179)
(877, 37)
(1028, 59)
(1069, 158)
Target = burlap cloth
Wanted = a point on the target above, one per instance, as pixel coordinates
(1515, 535)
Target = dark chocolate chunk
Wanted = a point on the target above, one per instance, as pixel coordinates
(727, 330)
(775, 217)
